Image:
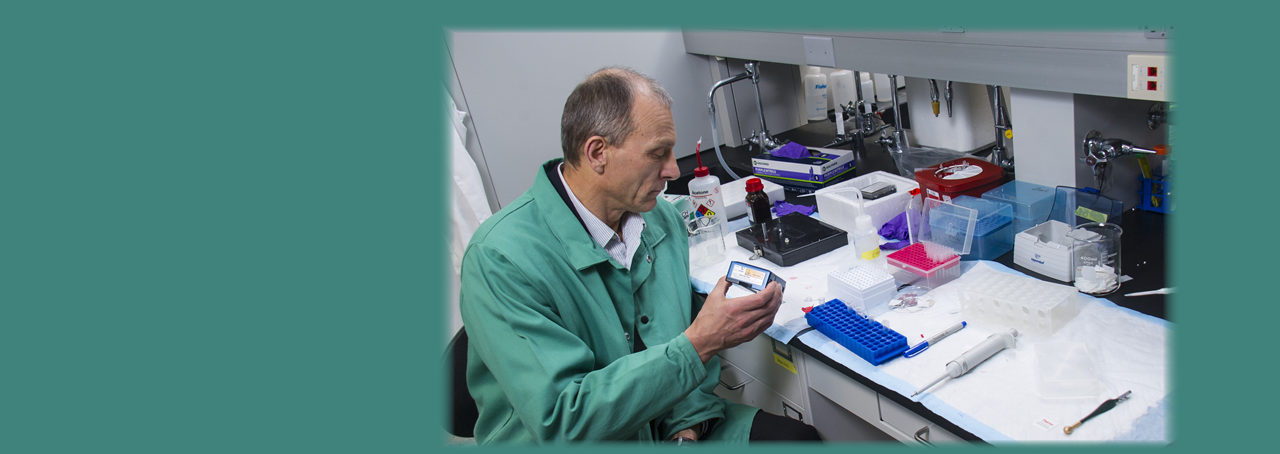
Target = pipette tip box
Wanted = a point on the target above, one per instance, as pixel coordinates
(913, 265)
(864, 337)
(861, 287)
(1030, 202)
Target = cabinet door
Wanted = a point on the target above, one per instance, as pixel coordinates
(913, 425)
(739, 386)
(842, 390)
(835, 423)
(776, 364)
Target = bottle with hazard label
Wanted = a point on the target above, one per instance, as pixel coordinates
(706, 221)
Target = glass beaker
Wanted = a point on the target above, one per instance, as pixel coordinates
(706, 241)
(1096, 257)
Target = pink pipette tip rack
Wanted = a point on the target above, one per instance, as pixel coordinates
(920, 261)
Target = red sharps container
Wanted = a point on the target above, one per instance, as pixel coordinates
(957, 177)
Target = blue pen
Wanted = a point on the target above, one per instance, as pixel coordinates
(924, 345)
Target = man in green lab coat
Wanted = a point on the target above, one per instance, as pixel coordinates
(577, 301)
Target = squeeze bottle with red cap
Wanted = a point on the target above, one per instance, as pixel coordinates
(758, 206)
(708, 202)
(707, 229)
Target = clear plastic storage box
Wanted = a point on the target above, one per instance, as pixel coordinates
(1023, 303)
(993, 233)
(1031, 202)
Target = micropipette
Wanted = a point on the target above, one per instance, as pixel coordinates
(924, 345)
(976, 355)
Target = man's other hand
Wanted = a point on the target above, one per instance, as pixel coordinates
(725, 323)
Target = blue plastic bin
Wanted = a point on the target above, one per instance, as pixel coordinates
(993, 235)
(1031, 202)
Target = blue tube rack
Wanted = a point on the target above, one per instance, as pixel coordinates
(864, 337)
(1157, 187)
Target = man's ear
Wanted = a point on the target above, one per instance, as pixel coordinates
(595, 153)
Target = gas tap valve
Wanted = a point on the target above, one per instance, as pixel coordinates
(1098, 150)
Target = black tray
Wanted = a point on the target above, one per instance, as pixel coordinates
(792, 239)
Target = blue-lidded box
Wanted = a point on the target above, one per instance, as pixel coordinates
(864, 337)
(1031, 202)
(993, 234)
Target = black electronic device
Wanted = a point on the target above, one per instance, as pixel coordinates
(791, 239)
(877, 190)
(752, 278)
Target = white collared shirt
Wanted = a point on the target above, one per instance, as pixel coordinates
(621, 249)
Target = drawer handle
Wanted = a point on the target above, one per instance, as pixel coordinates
(922, 436)
(736, 387)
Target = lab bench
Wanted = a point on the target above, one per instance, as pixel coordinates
(797, 380)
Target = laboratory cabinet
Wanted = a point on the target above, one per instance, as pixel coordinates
(781, 379)
(767, 374)
(836, 397)
(771, 362)
(739, 386)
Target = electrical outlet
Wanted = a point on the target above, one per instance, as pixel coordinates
(819, 51)
(1148, 77)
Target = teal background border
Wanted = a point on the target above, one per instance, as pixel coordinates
(222, 228)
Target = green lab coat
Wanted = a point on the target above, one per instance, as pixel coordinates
(551, 317)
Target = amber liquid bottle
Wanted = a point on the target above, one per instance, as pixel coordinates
(758, 206)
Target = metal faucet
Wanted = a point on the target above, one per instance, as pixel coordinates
(1004, 128)
(1157, 115)
(1099, 151)
(763, 140)
(863, 121)
(948, 96)
(898, 144)
(760, 139)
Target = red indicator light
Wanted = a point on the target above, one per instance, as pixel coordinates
(1151, 85)
(1151, 71)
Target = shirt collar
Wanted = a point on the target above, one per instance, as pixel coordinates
(599, 231)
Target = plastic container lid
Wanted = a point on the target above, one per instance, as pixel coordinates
(754, 185)
(959, 174)
(1029, 200)
(991, 215)
(949, 225)
(1066, 370)
(1073, 207)
(701, 172)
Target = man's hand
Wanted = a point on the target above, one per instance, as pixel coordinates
(725, 323)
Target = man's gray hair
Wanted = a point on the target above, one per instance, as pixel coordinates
(601, 106)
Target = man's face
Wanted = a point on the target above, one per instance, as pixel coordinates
(639, 169)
